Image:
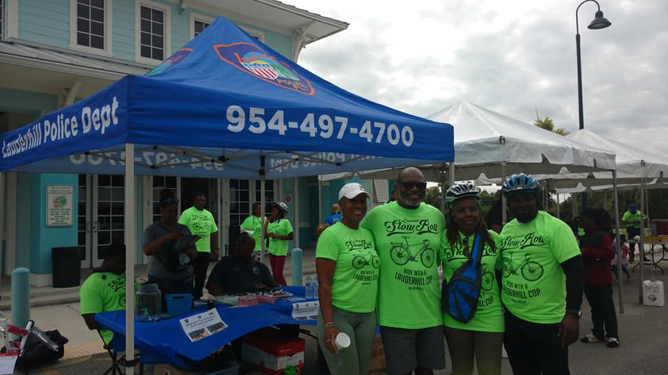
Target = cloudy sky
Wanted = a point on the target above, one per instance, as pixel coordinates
(508, 56)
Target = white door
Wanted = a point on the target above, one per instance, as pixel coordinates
(101, 216)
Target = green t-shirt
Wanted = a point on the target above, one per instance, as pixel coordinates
(407, 242)
(281, 227)
(534, 284)
(254, 224)
(489, 313)
(355, 282)
(201, 224)
(101, 292)
(632, 220)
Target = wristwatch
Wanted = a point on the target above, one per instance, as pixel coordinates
(575, 312)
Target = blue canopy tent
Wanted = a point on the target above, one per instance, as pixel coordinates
(224, 106)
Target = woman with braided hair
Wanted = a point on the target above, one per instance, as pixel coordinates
(482, 336)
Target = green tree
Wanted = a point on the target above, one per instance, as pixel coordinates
(433, 197)
(548, 125)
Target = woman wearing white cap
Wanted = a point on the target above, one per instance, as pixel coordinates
(348, 267)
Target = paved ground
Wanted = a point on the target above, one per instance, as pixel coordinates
(643, 330)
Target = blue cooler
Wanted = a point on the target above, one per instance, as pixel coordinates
(178, 304)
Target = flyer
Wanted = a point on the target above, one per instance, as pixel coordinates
(202, 325)
(305, 310)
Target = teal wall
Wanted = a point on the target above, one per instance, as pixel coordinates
(45, 22)
(43, 238)
(48, 22)
(28, 102)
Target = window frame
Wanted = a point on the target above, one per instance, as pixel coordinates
(198, 17)
(108, 30)
(253, 32)
(3, 19)
(167, 31)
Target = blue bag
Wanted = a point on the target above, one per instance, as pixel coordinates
(460, 296)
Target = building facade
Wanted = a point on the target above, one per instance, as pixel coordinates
(56, 52)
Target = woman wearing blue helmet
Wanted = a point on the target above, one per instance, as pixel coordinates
(482, 336)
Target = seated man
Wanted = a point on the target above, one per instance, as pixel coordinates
(104, 290)
(239, 273)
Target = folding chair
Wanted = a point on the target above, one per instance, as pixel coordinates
(116, 362)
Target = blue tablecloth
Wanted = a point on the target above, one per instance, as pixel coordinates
(166, 342)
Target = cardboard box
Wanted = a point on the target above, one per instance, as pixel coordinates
(271, 350)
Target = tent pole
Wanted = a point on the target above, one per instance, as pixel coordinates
(504, 213)
(605, 200)
(558, 203)
(442, 178)
(451, 173)
(263, 203)
(618, 248)
(642, 231)
(296, 197)
(130, 254)
(319, 198)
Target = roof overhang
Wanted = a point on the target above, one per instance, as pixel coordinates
(274, 15)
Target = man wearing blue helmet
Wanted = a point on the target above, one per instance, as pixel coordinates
(541, 285)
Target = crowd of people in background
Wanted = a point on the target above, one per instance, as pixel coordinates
(517, 285)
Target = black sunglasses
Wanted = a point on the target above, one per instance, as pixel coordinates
(169, 201)
(411, 185)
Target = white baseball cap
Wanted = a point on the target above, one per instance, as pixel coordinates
(352, 190)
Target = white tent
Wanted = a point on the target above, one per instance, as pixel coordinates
(497, 145)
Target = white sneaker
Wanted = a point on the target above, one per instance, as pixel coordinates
(613, 342)
(590, 339)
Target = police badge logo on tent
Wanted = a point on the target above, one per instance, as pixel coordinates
(250, 59)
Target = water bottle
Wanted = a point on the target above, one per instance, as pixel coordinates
(309, 288)
(315, 288)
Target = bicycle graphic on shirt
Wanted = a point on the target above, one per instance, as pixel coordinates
(359, 261)
(530, 269)
(487, 279)
(401, 253)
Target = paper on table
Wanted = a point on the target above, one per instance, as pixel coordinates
(305, 310)
(202, 325)
(7, 363)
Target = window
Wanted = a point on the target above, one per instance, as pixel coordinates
(152, 32)
(198, 23)
(90, 26)
(90, 23)
(200, 26)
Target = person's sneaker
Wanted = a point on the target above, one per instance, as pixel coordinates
(590, 339)
(613, 342)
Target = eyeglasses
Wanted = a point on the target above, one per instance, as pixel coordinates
(169, 201)
(411, 185)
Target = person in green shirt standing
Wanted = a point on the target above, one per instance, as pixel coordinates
(104, 289)
(348, 267)
(632, 219)
(202, 224)
(253, 223)
(482, 336)
(279, 232)
(407, 234)
(542, 283)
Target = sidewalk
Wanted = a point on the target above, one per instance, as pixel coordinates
(643, 334)
(58, 308)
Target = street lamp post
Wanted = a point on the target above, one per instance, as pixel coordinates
(599, 22)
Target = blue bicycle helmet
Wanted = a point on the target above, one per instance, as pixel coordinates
(520, 183)
(459, 191)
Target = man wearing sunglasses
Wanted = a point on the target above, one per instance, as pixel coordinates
(407, 233)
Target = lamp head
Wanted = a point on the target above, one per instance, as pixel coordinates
(599, 22)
